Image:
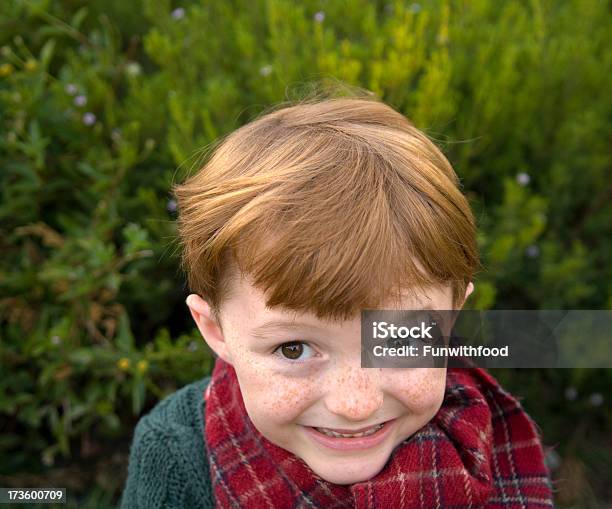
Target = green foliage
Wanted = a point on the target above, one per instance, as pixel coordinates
(104, 104)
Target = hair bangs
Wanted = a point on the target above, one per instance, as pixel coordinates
(329, 207)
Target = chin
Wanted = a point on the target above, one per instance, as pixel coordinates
(349, 470)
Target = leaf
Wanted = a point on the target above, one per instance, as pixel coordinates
(82, 356)
(138, 395)
(78, 17)
(137, 238)
(112, 421)
(46, 53)
(125, 339)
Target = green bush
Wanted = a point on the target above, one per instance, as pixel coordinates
(105, 104)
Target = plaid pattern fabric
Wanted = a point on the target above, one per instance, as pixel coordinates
(480, 450)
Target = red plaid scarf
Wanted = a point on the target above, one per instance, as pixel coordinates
(480, 450)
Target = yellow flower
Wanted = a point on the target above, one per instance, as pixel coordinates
(30, 65)
(142, 366)
(6, 69)
(123, 364)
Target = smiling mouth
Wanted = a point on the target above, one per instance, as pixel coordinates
(364, 432)
(351, 440)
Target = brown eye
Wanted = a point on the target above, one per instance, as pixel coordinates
(292, 350)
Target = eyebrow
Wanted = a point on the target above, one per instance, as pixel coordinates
(261, 330)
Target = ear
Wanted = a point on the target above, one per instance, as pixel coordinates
(208, 326)
(468, 291)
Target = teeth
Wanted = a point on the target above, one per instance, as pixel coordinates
(331, 433)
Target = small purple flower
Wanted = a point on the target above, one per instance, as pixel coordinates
(89, 118)
(178, 13)
(415, 7)
(192, 347)
(80, 100)
(523, 178)
(571, 393)
(532, 251)
(319, 16)
(596, 399)
(265, 70)
(171, 206)
(71, 89)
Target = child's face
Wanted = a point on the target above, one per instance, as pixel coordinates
(318, 382)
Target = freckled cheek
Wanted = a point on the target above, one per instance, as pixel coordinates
(280, 399)
(423, 393)
(272, 395)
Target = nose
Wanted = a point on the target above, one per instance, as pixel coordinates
(354, 393)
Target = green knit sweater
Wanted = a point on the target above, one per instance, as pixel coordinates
(168, 465)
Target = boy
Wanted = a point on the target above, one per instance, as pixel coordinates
(298, 221)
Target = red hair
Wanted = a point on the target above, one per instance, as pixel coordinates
(331, 206)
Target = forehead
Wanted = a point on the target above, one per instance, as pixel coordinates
(246, 304)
